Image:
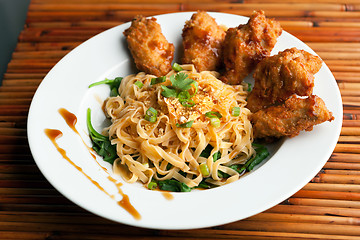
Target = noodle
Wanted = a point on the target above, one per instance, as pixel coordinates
(162, 150)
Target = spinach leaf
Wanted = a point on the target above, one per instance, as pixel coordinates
(101, 143)
(173, 186)
(113, 83)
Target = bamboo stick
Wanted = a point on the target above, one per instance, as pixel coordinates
(342, 165)
(335, 187)
(250, 235)
(40, 54)
(295, 1)
(46, 46)
(350, 131)
(328, 195)
(8, 76)
(79, 2)
(294, 227)
(334, 178)
(339, 55)
(286, 217)
(117, 7)
(121, 16)
(345, 157)
(349, 85)
(57, 35)
(21, 82)
(347, 148)
(39, 208)
(27, 191)
(341, 172)
(66, 218)
(75, 25)
(342, 62)
(347, 76)
(315, 210)
(324, 38)
(12, 131)
(338, 24)
(349, 139)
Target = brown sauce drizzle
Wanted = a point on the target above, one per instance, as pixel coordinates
(168, 195)
(54, 134)
(70, 118)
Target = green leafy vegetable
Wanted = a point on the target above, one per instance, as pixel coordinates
(249, 87)
(101, 143)
(185, 125)
(179, 88)
(261, 154)
(173, 186)
(113, 83)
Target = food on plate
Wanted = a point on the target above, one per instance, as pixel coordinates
(184, 130)
(202, 42)
(282, 75)
(289, 118)
(151, 51)
(246, 45)
(179, 127)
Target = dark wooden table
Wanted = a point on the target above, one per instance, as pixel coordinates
(30, 208)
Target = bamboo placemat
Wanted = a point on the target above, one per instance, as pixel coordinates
(30, 208)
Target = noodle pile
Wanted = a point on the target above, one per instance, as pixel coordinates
(162, 150)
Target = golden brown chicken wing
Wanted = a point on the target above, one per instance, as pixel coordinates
(202, 42)
(280, 76)
(151, 51)
(247, 45)
(288, 119)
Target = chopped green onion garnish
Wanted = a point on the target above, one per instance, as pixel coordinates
(151, 119)
(187, 102)
(158, 80)
(151, 112)
(185, 125)
(152, 185)
(213, 114)
(235, 111)
(151, 115)
(139, 84)
(176, 67)
(204, 169)
(215, 122)
(183, 95)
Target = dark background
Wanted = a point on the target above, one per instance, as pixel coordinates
(12, 19)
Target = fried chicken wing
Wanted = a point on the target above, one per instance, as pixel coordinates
(151, 51)
(246, 45)
(202, 42)
(280, 76)
(288, 119)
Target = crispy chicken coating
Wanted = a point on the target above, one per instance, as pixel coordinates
(151, 51)
(246, 45)
(202, 42)
(282, 75)
(288, 119)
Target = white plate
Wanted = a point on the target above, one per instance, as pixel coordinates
(292, 166)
